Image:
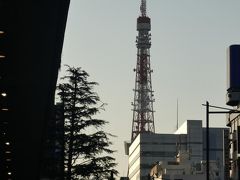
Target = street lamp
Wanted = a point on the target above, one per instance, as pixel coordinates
(227, 111)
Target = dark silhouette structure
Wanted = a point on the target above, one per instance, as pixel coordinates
(52, 165)
(31, 40)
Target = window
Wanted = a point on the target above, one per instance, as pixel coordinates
(3, 94)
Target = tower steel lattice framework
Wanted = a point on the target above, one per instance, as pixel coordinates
(143, 114)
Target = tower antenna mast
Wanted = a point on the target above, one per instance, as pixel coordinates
(143, 117)
(143, 8)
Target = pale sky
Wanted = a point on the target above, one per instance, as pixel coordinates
(188, 58)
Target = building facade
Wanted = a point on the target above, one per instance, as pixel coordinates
(233, 100)
(31, 41)
(52, 166)
(233, 121)
(147, 149)
(183, 168)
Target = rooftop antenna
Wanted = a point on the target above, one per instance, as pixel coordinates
(177, 114)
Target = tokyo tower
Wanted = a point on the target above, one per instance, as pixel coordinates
(143, 114)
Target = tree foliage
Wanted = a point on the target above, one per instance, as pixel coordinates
(87, 146)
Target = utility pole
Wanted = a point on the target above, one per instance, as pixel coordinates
(207, 140)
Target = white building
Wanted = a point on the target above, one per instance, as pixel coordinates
(147, 148)
(183, 169)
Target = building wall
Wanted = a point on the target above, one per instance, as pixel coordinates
(194, 144)
(195, 139)
(185, 177)
(52, 165)
(233, 121)
(33, 40)
(155, 147)
(147, 149)
(216, 147)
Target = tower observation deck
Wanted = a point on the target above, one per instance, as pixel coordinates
(143, 114)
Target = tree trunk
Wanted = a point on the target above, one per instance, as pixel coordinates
(70, 152)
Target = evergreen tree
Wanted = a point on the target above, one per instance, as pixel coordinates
(87, 146)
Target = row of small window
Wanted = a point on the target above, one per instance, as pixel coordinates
(1, 55)
(8, 159)
(3, 94)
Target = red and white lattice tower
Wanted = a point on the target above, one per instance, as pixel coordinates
(143, 118)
